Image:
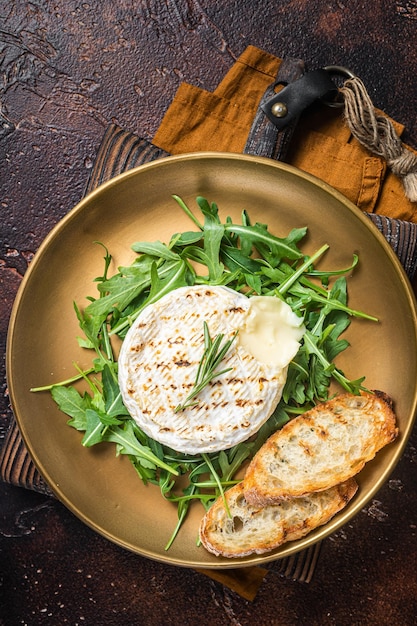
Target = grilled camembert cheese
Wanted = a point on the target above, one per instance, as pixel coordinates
(162, 350)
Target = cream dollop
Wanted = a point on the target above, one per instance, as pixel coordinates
(272, 331)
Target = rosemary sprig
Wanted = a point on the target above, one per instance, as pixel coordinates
(213, 355)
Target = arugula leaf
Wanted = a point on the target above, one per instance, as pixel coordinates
(185, 239)
(161, 282)
(234, 259)
(124, 287)
(311, 344)
(231, 461)
(215, 269)
(156, 249)
(94, 429)
(73, 404)
(113, 402)
(254, 282)
(128, 443)
(213, 236)
(258, 236)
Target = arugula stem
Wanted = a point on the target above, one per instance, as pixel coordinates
(143, 452)
(107, 345)
(303, 267)
(181, 517)
(83, 374)
(212, 484)
(264, 237)
(187, 211)
(328, 273)
(107, 261)
(348, 385)
(218, 482)
(336, 304)
(86, 439)
(64, 383)
(204, 498)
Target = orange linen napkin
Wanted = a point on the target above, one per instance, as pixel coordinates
(322, 144)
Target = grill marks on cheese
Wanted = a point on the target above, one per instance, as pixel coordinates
(158, 364)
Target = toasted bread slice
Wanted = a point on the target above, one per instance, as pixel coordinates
(321, 448)
(255, 529)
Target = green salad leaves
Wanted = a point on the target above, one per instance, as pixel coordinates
(247, 258)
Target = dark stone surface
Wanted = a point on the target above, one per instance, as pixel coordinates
(66, 70)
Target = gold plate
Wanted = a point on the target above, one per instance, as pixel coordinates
(104, 490)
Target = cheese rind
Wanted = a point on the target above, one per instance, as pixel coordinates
(158, 364)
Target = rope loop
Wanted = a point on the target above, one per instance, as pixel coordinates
(377, 134)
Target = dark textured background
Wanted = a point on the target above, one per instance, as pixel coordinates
(67, 69)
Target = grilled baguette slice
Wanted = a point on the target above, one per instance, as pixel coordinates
(321, 448)
(255, 529)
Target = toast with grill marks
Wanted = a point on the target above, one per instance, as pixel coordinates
(255, 529)
(321, 448)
